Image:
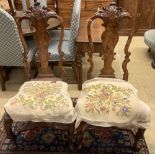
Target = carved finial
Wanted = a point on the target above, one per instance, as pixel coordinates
(111, 12)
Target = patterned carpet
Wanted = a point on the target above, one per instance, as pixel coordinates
(54, 140)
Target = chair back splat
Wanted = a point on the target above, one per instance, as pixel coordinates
(39, 17)
(111, 16)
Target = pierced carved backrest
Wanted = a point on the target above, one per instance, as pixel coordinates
(11, 48)
(39, 17)
(111, 16)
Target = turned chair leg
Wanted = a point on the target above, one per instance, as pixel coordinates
(139, 135)
(75, 71)
(8, 128)
(70, 136)
(80, 133)
(2, 80)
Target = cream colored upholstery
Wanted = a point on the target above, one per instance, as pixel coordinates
(111, 102)
(42, 101)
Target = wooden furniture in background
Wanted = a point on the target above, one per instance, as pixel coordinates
(52, 4)
(8, 6)
(143, 11)
(65, 7)
(4, 4)
(83, 43)
(28, 30)
(89, 7)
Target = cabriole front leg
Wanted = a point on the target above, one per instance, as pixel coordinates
(79, 65)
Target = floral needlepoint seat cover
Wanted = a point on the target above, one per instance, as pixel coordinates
(111, 102)
(42, 101)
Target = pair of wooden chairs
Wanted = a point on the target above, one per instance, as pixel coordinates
(103, 103)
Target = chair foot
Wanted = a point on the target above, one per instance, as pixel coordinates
(139, 135)
(8, 129)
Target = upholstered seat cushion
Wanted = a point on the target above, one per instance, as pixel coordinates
(53, 50)
(149, 38)
(42, 101)
(55, 35)
(111, 102)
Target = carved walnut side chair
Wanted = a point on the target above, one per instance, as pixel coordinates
(106, 102)
(14, 51)
(69, 40)
(45, 101)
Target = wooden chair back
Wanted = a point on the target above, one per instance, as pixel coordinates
(39, 17)
(111, 16)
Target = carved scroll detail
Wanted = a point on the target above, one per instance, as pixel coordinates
(127, 53)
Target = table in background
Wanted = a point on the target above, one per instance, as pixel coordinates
(83, 43)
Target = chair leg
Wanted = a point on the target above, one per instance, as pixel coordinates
(2, 80)
(8, 128)
(75, 71)
(70, 136)
(139, 135)
(80, 132)
(27, 71)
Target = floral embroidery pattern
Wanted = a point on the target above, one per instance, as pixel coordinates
(43, 95)
(106, 98)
